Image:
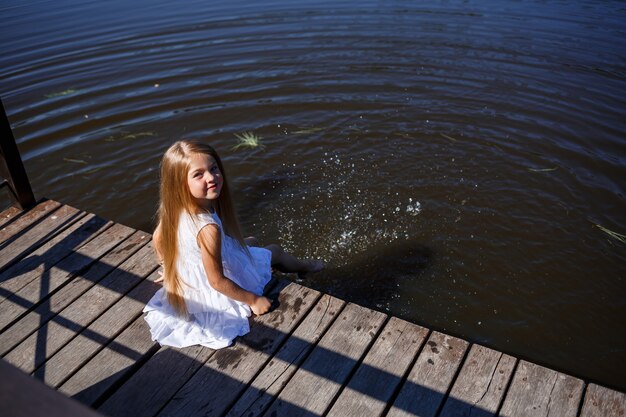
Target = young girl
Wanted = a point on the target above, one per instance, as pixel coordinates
(212, 279)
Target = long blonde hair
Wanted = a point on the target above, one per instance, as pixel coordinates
(175, 198)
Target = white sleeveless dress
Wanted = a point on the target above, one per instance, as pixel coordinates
(214, 319)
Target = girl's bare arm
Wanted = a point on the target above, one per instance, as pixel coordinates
(156, 244)
(210, 241)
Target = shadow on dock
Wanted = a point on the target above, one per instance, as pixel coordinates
(70, 314)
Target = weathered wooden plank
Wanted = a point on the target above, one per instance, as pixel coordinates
(101, 239)
(172, 368)
(156, 381)
(37, 348)
(539, 391)
(279, 370)
(603, 402)
(41, 259)
(15, 249)
(427, 384)
(481, 385)
(13, 229)
(23, 396)
(100, 332)
(23, 328)
(382, 370)
(113, 364)
(329, 365)
(8, 216)
(229, 370)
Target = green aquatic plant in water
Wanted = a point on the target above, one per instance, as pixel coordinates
(127, 135)
(91, 171)
(307, 130)
(75, 161)
(448, 137)
(247, 140)
(543, 169)
(62, 93)
(614, 235)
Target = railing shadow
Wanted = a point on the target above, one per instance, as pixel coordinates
(228, 386)
(26, 260)
(15, 257)
(24, 270)
(17, 216)
(141, 390)
(19, 303)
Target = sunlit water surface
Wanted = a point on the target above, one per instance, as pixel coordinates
(450, 160)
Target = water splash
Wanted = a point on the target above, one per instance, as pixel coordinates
(345, 223)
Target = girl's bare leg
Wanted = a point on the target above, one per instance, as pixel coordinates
(284, 262)
(251, 241)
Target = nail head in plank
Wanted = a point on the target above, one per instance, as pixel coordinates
(329, 365)
(279, 370)
(229, 370)
(427, 384)
(603, 402)
(481, 385)
(539, 391)
(382, 370)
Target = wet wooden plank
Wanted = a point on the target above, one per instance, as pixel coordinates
(37, 348)
(35, 264)
(14, 228)
(113, 364)
(603, 402)
(481, 385)
(7, 216)
(428, 382)
(101, 239)
(23, 328)
(329, 365)
(23, 396)
(279, 370)
(229, 370)
(99, 333)
(382, 370)
(15, 249)
(539, 391)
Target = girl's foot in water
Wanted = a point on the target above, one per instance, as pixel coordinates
(312, 265)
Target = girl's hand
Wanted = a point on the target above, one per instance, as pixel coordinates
(261, 305)
(160, 279)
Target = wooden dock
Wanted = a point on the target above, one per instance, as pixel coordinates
(72, 287)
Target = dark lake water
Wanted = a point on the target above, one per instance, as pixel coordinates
(450, 160)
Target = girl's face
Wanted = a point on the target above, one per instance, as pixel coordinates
(204, 180)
